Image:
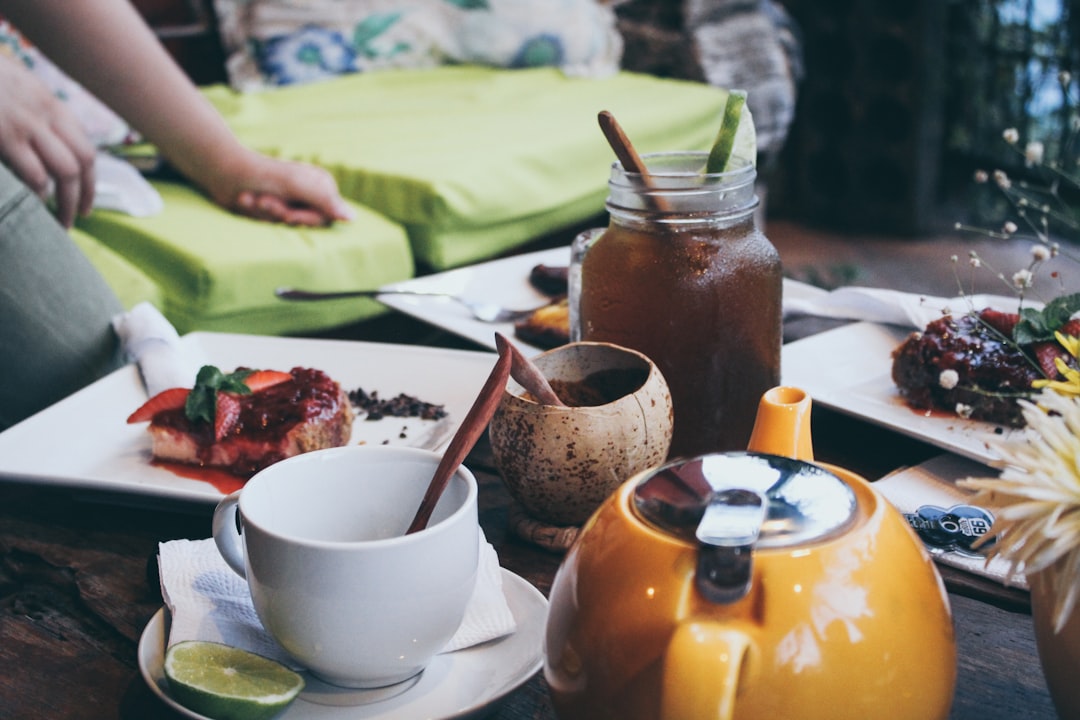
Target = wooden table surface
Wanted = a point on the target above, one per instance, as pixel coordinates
(78, 584)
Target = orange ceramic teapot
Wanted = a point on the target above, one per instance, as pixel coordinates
(751, 585)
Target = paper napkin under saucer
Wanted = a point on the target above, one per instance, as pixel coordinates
(149, 339)
(933, 483)
(208, 601)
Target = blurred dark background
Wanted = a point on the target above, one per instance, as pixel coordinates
(903, 101)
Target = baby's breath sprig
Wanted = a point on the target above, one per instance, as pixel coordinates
(1018, 283)
(1040, 206)
(1043, 211)
(1037, 524)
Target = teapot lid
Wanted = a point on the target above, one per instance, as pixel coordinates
(804, 502)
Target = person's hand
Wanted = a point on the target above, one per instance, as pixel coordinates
(276, 190)
(42, 142)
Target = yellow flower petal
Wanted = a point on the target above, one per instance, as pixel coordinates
(1071, 343)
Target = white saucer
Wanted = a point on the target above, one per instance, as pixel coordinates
(460, 684)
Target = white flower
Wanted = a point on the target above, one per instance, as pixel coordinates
(1009, 227)
(948, 379)
(1002, 180)
(1022, 278)
(1033, 153)
(964, 411)
(1037, 523)
(1011, 136)
(1040, 252)
(981, 176)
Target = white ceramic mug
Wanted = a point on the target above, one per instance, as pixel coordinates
(334, 579)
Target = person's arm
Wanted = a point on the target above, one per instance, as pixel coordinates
(106, 46)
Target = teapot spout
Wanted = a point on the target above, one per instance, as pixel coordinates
(782, 426)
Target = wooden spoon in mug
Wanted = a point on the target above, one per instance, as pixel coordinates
(472, 427)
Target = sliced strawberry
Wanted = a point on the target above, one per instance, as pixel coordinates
(1045, 354)
(1003, 322)
(170, 399)
(1071, 328)
(226, 415)
(262, 379)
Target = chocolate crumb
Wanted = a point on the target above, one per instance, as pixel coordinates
(401, 405)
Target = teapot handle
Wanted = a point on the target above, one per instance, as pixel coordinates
(704, 666)
(782, 426)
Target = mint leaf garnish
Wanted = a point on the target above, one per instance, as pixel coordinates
(201, 403)
(1039, 325)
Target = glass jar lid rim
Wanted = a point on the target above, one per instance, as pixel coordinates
(744, 169)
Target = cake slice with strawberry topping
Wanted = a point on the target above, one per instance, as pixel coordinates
(243, 421)
(979, 364)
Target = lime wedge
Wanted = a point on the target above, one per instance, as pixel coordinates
(736, 139)
(226, 683)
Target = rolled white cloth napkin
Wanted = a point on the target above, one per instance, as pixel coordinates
(932, 484)
(208, 601)
(149, 339)
(890, 307)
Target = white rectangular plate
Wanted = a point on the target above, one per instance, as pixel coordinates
(849, 369)
(85, 442)
(505, 281)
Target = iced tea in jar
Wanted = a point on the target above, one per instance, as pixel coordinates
(683, 274)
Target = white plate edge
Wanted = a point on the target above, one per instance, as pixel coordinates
(193, 492)
(968, 438)
(458, 323)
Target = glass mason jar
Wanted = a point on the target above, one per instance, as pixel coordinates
(683, 274)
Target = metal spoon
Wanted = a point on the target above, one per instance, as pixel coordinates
(484, 311)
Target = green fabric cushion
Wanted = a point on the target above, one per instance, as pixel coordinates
(473, 161)
(129, 283)
(218, 271)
